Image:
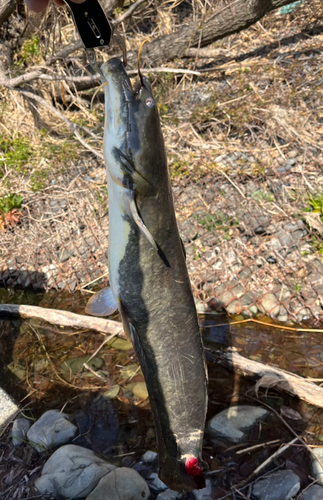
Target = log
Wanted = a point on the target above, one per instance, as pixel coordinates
(269, 376)
(232, 18)
(63, 318)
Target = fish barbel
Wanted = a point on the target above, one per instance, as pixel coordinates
(149, 279)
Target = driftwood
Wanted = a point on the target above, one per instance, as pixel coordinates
(269, 376)
(63, 318)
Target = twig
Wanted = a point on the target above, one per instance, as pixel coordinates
(261, 445)
(269, 460)
(271, 325)
(60, 115)
(165, 70)
(231, 181)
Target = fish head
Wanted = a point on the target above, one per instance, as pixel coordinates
(132, 122)
(183, 475)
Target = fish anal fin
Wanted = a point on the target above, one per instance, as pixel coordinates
(102, 303)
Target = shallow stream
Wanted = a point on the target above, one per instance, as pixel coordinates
(43, 367)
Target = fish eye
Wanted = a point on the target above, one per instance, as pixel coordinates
(150, 102)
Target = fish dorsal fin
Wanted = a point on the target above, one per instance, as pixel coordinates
(102, 303)
(140, 223)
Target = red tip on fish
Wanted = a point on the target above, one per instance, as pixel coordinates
(194, 469)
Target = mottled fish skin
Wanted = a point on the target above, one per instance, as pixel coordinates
(150, 283)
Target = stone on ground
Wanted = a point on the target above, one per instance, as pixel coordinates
(317, 469)
(204, 493)
(167, 495)
(314, 492)
(121, 484)
(149, 456)
(72, 472)
(8, 408)
(52, 429)
(281, 485)
(233, 423)
(19, 431)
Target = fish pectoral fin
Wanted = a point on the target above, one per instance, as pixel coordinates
(132, 178)
(140, 223)
(102, 303)
(125, 321)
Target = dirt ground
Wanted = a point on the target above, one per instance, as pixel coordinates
(244, 140)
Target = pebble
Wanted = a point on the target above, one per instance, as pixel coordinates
(75, 365)
(140, 390)
(167, 495)
(234, 422)
(149, 456)
(281, 485)
(314, 492)
(156, 483)
(270, 304)
(51, 429)
(205, 493)
(19, 431)
(317, 469)
(121, 484)
(8, 408)
(73, 472)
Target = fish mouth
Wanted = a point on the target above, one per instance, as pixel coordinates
(117, 79)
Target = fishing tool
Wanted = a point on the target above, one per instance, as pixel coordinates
(94, 29)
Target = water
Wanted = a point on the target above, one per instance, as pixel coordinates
(39, 368)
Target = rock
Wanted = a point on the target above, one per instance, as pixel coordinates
(8, 408)
(149, 456)
(317, 469)
(234, 422)
(19, 431)
(167, 495)
(281, 485)
(270, 304)
(121, 484)
(155, 483)
(314, 492)
(205, 493)
(75, 365)
(140, 390)
(51, 430)
(292, 154)
(112, 392)
(121, 344)
(72, 471)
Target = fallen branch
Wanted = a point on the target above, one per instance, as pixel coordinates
(63, 318)
(60, 115)
(269, 376)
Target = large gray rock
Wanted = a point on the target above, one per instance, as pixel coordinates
(314, 492)
(19, 431)
(317, 469)
(281, 485)
(234, 422)
(51, 429)
(72, 471)
(121, 484)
